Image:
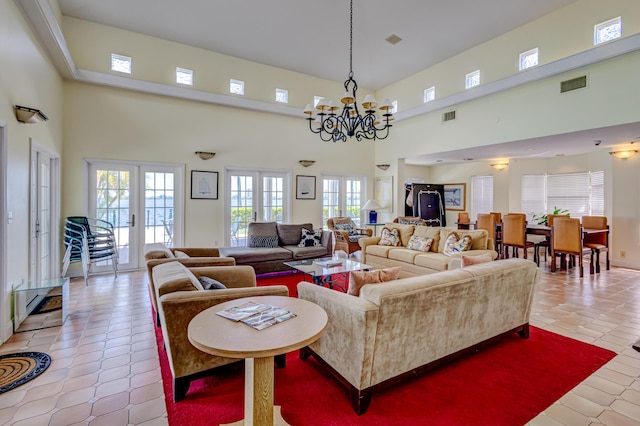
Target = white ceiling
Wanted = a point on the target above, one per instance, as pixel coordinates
(313, 38)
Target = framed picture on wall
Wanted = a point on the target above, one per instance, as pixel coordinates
(455, 196)
(305, 187)
(204, 185)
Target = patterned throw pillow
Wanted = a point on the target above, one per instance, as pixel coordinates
(390, 237)
(211, 284)
(269, 241)
(346, 227)
(419, 243)
(311, 238)
(455, 244)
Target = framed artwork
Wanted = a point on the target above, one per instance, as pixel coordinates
(455, 196)
(384, 193)
(204, 185)
(305, 187)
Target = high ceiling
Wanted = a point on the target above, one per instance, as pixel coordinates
(312, 37)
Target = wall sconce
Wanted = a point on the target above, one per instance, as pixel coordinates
(205, 155)
(306, 163)
(500, 166)
(29, 115)
(624, 154)
(383, 166)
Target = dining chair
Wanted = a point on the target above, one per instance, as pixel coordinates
(566, 240)
(546, 243)
(514, 235)
(497, 231)
(463, 220)
(597, 242)
(487, 222)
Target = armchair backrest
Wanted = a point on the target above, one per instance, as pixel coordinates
(333, 221)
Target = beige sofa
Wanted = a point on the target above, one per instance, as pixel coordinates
(181, 297)
(413, 262)
(192, 257)
(397, 329)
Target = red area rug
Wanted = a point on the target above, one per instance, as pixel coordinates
(507, 383)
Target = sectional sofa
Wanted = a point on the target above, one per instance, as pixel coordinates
(270, 244)
(397, 329)
(414, 262)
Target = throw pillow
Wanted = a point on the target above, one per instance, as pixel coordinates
(455, 244)
(389, 237)
(474, 260)
(311, 238)
(269, 241)
(419, 243)
(211, 284)
(180, 254)
(357, 279)
(346, 227)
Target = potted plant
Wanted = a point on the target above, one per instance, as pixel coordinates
(541, 219)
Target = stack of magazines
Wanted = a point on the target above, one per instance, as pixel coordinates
(257, 315)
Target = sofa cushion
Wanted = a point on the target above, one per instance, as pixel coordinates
(310, 238)
(211, 284)
(245, 255)
(380, 251)
(456, 244)
(419, 243)
(262, 241)
(429, 232)
(403, 254)
(435, 261)
(357, 279)
(405, 231)
(474, 260)
(157, 251)
(262, 234)
(300, 253)
(174, 276)
(289, 234)
(390, 237)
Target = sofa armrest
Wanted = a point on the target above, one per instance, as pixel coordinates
(367, 241)
(348, 342)
(231, 276)
(327, 240)
(197, 251)
(190, 262)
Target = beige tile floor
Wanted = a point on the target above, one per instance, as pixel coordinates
(105, 367)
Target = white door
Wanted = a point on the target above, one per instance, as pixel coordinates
(342, 197)
(142, 201)
(254, 196)
(43, 258)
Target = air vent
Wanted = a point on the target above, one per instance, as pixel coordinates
(393, 39)
(573, 84)
(448, 116)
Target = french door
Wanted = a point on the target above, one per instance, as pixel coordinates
(254, 196)
(143, 202)
(342, 197)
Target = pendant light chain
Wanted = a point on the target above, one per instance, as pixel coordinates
(351, 41)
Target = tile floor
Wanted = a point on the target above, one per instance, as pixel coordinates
(105, 367)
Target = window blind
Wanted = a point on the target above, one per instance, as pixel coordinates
(534, 195)
(481, 195)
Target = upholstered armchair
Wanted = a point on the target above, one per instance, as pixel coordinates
(347, 234)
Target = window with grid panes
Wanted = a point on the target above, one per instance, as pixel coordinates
(481, 195)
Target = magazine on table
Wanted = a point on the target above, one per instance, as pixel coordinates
(257, 315)
(329, 263)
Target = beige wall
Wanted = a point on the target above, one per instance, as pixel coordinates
(26, 78)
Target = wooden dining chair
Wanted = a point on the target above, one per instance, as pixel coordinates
(463, 220)
(487, 222)
(566, 240)
(497, 231)
(546, 243)
(514, 235)
(597, 242)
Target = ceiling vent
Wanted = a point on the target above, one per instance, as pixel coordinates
(573, 84)
(448, 116)
(393, 39)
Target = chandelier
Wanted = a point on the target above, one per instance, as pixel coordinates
(334, 126)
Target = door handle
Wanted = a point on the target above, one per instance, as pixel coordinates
(133, 221)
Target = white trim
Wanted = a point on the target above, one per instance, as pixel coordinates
(7, 330)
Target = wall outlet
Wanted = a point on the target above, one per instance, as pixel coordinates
(623, 254)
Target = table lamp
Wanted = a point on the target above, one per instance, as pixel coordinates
(372, 206)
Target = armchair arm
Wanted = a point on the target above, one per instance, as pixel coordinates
(365, 231)
(341, 236)
(190, 262)
(198, 251)
(348, 342)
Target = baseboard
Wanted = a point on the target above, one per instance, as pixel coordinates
(623, 264)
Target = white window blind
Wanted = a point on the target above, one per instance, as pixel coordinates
(580, 193)
(481, 195)
(534, 195)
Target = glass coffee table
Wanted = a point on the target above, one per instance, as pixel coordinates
(322, 271)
